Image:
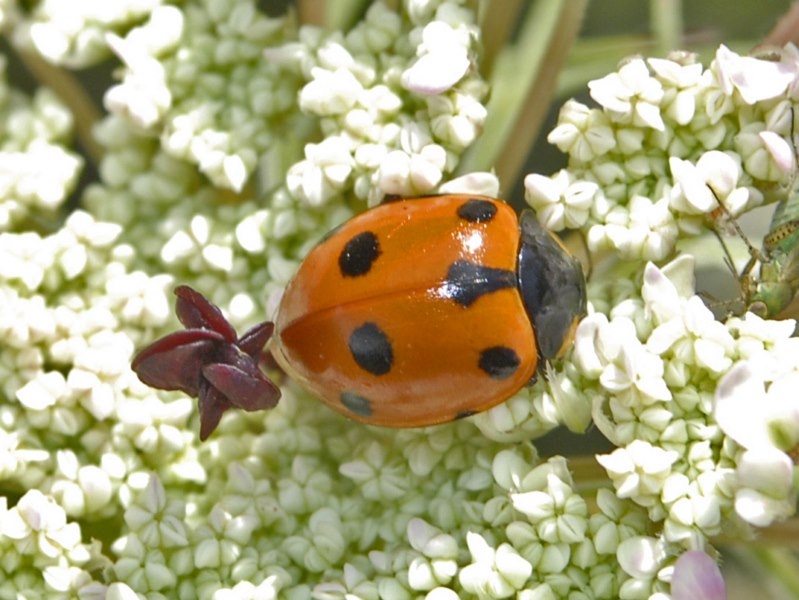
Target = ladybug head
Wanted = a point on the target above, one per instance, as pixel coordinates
(552, 286)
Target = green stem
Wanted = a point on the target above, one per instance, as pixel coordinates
(312, 12)
(496, 24)
(781, 564)
(666, 24)
(523, 85)
(784, 534)
(71, 93)
(343, 15)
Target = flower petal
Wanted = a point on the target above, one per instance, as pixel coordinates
(436, 72)
(766, 470)
(212, 405)
(195, 311)
(249, 390)
(696, 575)
(754, 78)
(255, 338)
(174, 362)
(739, 403)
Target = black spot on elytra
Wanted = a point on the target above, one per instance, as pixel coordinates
(359, 254)
(371, 349)
(357, 404)
(467, 281)
(476, 210)
(500, 362)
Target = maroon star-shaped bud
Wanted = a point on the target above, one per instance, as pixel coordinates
(209, 362)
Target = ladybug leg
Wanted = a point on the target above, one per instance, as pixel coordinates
(534, 379)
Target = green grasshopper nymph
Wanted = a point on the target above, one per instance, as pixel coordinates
(772, 292)
(769, 292)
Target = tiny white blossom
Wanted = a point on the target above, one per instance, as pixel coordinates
(443, 61)
(268, 589)
(758, 158)
(39, 525)
(692, 334)
(755, 79)
(559, 515)
(682, 84)
(15, 457)
(522, 416)
(612, 352)
(411, 175)
(559, 202)
(699, 188)
(334, 55)
(44, 391)
(639, 471)
(754, 334)
(767, 470)
(438, 564)
(645, 229)
(74, 35)
(324, 172)
(641, 557)
(496, 573)
(441, 593)
(583, 133)
(457, 119)
(330, 92)
(765, 421)
(144, 95)
(631, 95)
(483, 183)
(120, 591)
(570, 403)
(80, 488)
(652, 229)
(37, 179)
(779, 149)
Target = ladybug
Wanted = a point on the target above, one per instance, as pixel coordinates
(426, 310)
(416, 312)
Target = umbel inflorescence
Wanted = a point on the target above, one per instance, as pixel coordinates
(233, 141)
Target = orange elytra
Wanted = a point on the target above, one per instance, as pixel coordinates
(421, 311)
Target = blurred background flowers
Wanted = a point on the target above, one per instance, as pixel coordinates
(146, 144)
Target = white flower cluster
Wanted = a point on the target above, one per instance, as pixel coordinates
(392, 122)
(537, 410)
(359, 92)
(235, 141)
(37, 171)
(237, 251)
(755, 405)
(38, 542)
(668, 143)
(73, 34)
(196, 77)
(678, 454)
(268, 523)
(71, 313)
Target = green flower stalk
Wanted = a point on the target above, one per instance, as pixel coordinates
(233, 140)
